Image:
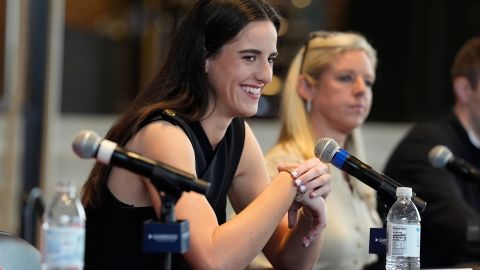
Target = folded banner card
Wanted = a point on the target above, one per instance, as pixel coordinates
(378, 241)
(166, 237)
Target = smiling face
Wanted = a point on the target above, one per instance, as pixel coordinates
(342, 95)
(242, 68)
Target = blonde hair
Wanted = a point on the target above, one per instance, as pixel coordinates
(322, 47)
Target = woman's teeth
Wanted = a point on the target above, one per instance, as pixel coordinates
(252, 90)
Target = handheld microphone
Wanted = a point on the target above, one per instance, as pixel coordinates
(328, 151)
(441, 157)
(87, 144)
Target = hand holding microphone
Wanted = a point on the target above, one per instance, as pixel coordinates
(328, 151)
(87, 144)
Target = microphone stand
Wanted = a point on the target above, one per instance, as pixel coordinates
(158, 233)
(167, 216)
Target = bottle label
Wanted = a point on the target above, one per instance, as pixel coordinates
(403, 240)
(64, 247)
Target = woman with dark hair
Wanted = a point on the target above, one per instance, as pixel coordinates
(189, 118)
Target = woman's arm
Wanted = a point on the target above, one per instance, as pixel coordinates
(234, 244)
(284, 249)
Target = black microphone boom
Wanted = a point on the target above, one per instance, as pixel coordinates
(328, 151)
(441, 157)
(87, 144)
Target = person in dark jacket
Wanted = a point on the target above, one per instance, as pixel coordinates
(452, 216)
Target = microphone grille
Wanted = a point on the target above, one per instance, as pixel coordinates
(439, 156)
(86, 143)
(325, 149)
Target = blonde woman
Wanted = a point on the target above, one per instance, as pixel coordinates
(328, 93)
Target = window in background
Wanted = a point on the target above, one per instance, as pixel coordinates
(113, 47)
(416, 42)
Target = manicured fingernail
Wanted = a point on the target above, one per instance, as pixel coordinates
(306, 244)
(294, 174)
(302, 188)
(298, 182)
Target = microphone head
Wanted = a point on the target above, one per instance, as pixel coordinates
(325, 149)
(439, 156)
(86, 143)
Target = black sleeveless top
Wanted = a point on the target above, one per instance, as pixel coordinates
(114, 229)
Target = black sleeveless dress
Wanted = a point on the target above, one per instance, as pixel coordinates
(114, 229)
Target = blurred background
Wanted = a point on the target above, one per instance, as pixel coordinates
(69, 65)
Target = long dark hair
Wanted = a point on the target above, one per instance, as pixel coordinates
(181, 84)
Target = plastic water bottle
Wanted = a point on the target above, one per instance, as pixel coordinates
(403, 233)
(63, 230)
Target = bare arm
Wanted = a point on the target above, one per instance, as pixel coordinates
(234, 244)
(284, 249)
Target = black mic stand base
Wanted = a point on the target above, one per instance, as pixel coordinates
(166, 235)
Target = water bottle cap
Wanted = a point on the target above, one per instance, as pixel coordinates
(404, 191)
(65, 187)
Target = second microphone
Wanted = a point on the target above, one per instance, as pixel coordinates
(328, 151)
(87, 144)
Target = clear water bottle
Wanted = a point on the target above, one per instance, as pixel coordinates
(63, 230)
(403, 233)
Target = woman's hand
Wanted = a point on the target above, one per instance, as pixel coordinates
(316, 213)
(313, 210)
(312, 178)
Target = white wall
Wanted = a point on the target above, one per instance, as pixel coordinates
(379, 138)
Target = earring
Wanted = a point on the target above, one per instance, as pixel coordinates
(308, 105)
